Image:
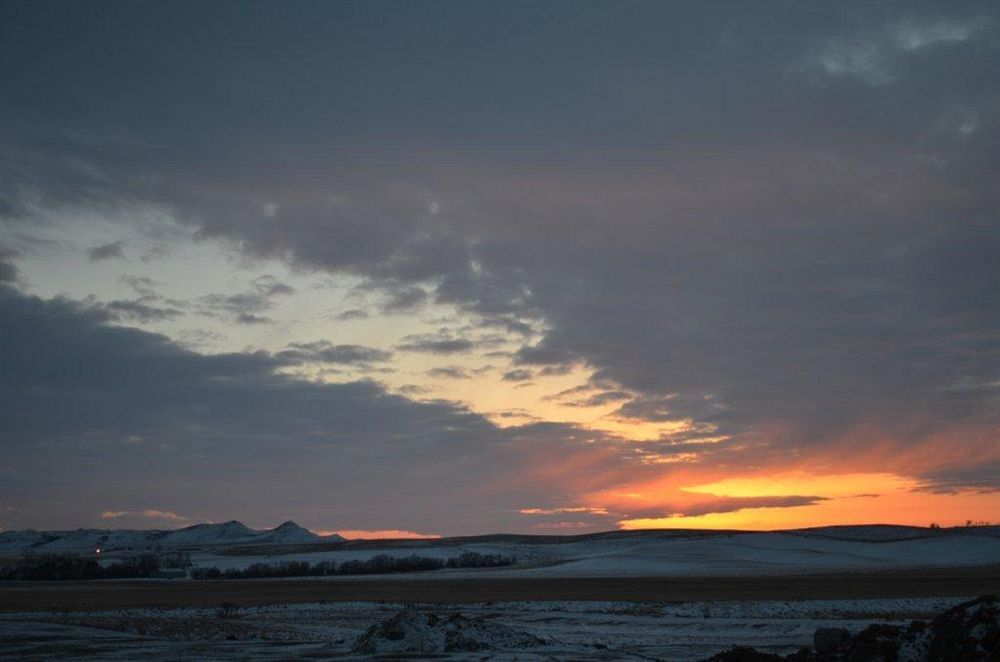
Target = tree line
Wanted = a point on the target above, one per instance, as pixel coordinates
(57, 567)
(68, 567)
(379, 564)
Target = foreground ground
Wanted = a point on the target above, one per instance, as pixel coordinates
(622, 595)
(122, 594)
(505, 631)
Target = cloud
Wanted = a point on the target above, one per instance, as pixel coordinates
(952, 480)
(168, 515)
(251, 319)
(137, 311)
(143, 285)
(875, 56)
(733, 504)
(554, 359)
(600, 399)
(148, 307)
(449, 372)
(563, 511)
(200, 338)
(435, 344)
(323, 351)
(8, 272)
(405, 300)
(913, 36)
(246, 307)
(268, 286)
(112, 251)
(519, 375)
(414, 389)
(352, 314)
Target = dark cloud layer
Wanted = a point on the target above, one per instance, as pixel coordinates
(8, 272)
(776, 222)
(93, 414)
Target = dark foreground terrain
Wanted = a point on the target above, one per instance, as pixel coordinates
(121, 594)
(852, 630)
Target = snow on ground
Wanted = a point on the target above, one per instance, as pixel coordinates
(560, 630)
(770, 553)
(719, 555)
(617, 554)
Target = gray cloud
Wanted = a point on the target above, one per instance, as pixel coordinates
(519, 375)
(143, 313)
(8, 272)
(143, 286)
(449, 372)
(435, 344)
(352, 314)
(728, 505)
(252, 319)
(247, 307)
(147, 308)
(323, 351)
(405, 300)
(269, 286)
(112, 251)
(200, 338)
(414, 389)
(600, 399)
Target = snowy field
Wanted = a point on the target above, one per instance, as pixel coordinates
(506, 631)
(281, 619)
(613, 554)
(716, 555)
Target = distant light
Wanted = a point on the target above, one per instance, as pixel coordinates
(98, 551)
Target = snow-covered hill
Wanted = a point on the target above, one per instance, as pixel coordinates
(109, 541)
(617, 554)
(210, 534)
(291, 533)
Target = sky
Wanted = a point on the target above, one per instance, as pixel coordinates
(405, 268)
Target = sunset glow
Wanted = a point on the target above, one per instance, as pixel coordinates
(467, 268)
(379, 535)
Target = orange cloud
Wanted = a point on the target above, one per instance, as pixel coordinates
(378, 534)
(150, 514)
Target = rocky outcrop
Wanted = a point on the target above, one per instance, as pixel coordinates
(969, 632)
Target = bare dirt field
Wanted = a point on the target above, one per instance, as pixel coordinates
(122, 594)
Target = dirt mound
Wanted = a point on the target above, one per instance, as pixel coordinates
(745, 654)
(413, 631)
(969, 632)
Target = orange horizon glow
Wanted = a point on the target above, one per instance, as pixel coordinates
(378, 534)
(705, 498)
(903, 509)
